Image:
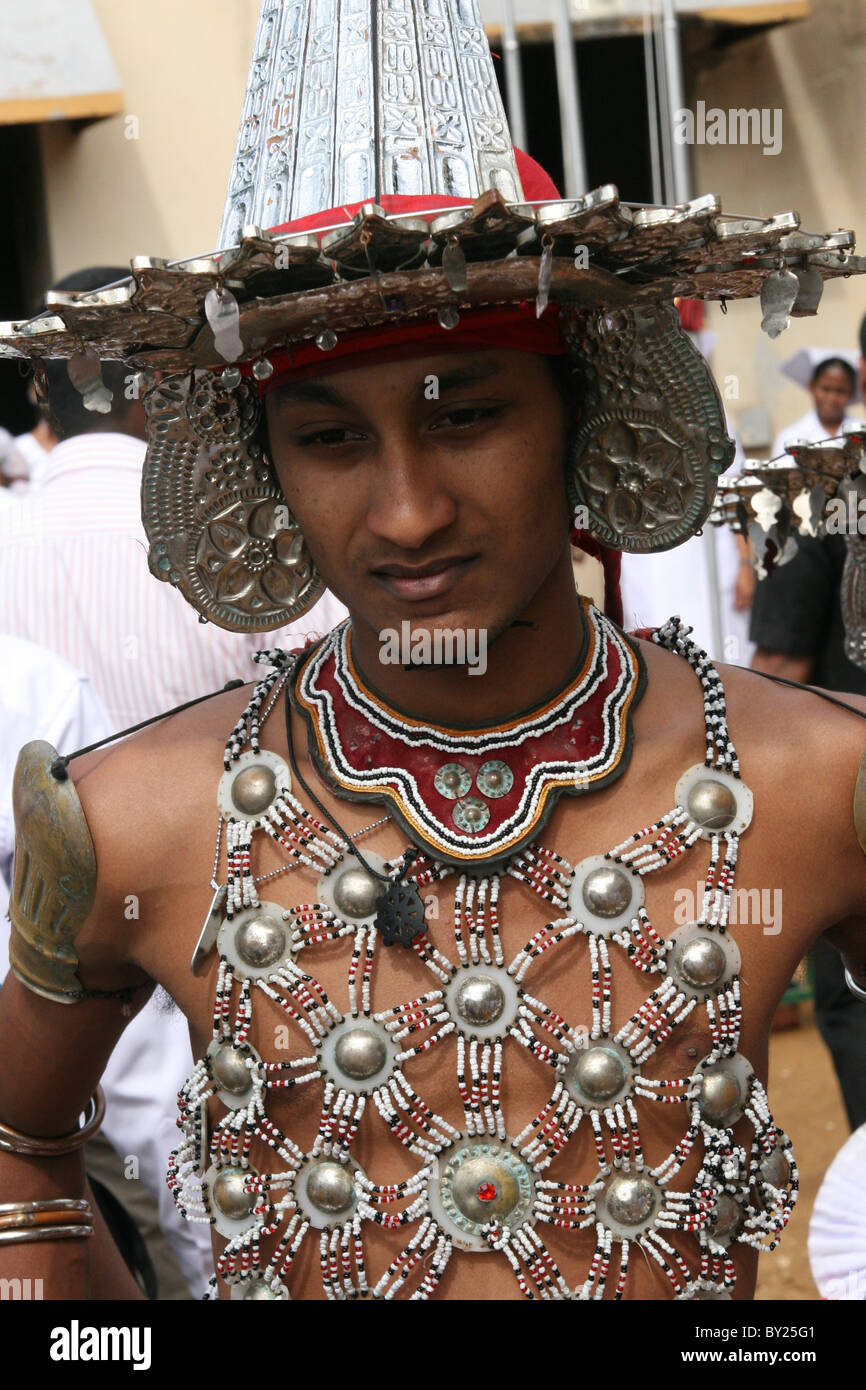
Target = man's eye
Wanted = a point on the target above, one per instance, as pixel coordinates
(463, 417)
(328, 438)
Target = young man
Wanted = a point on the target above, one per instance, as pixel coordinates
(465, 998)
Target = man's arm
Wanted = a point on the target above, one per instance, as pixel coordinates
(61, 1012)
(56, 1055)
(849, 935)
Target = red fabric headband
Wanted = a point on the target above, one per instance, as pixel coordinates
(515, 327)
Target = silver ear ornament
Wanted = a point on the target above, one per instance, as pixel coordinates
(652, 439)
(219, 527)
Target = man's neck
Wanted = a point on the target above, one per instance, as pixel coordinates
(530, 660)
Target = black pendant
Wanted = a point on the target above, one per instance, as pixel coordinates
(400, 913)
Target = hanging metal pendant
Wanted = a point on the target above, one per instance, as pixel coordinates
(778, 296)
(224, 316)
(545, 275)
(209, 932)
(85, 373)
(811, 289)
(454, 265)
(400, 913)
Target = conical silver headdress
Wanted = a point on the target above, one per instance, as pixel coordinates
(352, 100)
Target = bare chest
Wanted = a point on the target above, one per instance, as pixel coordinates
(506, 1075)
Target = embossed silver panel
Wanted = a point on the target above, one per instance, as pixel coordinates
(348, 100)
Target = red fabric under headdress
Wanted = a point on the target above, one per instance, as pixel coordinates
(515, 327)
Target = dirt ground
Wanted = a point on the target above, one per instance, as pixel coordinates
(806, 1102)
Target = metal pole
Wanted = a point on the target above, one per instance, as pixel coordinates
(676, 98)
(652, 101)
(513, 77)
(569, 103)
(681, 193)
(665, 121)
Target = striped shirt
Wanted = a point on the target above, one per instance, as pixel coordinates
(74, 579)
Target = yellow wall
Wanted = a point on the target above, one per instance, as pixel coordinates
(183, 65)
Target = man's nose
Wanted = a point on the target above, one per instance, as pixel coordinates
(410, 501)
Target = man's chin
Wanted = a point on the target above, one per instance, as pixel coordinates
(449, 620)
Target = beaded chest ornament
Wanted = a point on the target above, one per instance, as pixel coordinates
(480, 1188)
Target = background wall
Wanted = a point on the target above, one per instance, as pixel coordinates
(183, 65)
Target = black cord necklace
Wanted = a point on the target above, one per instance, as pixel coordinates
(400, 908)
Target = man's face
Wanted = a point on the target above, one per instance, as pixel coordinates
(430, 490)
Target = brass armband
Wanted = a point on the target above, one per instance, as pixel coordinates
(54, 877)
(860, 804)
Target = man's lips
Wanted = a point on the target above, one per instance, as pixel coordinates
(424, 581)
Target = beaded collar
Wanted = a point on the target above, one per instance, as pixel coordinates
(473, 795)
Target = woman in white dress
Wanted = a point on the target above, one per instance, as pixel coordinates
(831, 380)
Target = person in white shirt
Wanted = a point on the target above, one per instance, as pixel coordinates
(34, 446)
(42, 697)
(831, 380)
(12, 463)
(73, 565)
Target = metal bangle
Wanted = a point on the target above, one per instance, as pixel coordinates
(57, 1204)
(36, 1223)
(46, 1233)
(857, 990)
(33, 1146)
(15, 1216)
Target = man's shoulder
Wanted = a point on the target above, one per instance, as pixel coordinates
(788, 739)
(809, 747)
(152, 789)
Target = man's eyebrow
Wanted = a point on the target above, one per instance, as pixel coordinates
(308, 392)
(468, 374)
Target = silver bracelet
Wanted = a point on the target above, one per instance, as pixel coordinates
(14, 1141)
(59, 1205)
(857, 990)
(46, 1233)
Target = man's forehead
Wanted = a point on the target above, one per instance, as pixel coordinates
(450, 369)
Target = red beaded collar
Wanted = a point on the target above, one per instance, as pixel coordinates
(471, 796)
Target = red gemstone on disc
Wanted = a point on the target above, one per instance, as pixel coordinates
(486, 1192)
